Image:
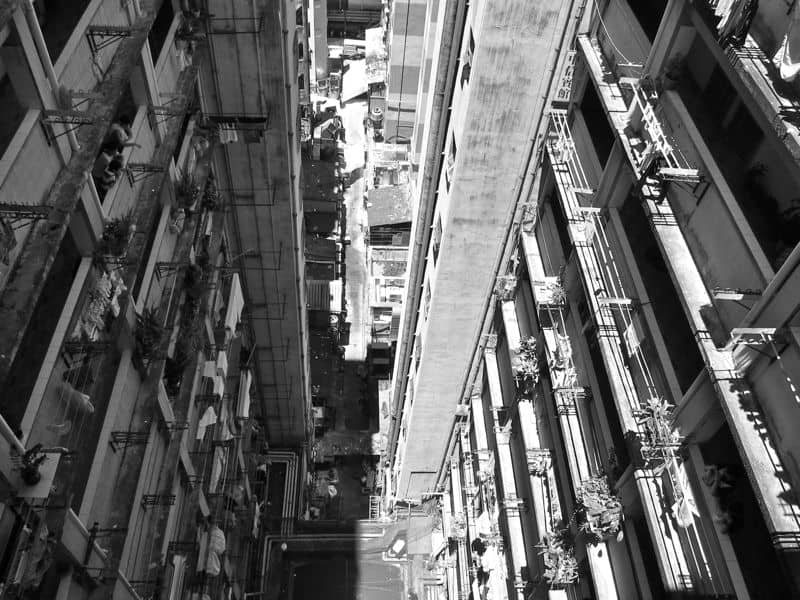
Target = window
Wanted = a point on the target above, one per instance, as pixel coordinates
(649, 15)
(436, 237)
(450, 164)
(300, 51)
(597, 123)
(160, 29)
(466, 62)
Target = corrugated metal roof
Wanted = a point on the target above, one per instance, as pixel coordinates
(324, 295)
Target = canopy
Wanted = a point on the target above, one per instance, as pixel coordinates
(354, 81)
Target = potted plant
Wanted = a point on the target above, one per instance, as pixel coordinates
(211, 195)
(557, 293)
(599, 510)
(526, 367)
(149, 332)
(188, 192)
(31, 461)
(116, 235)
(560, 565)
(505, 287)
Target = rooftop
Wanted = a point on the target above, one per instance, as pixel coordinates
(389, 205)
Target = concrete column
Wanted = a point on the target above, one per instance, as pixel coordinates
(510, 502)
(745, 419)
(673, 565)
(59, 335)
(117, 397)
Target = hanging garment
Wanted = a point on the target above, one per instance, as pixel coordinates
(736, 17)
(787, 58)
(209, 418)
(684, 508)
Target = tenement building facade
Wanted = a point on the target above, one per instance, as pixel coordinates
(154, 381)
(598, 363)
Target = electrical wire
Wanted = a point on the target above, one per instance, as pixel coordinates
(610, 40)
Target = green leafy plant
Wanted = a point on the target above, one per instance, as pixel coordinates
(558, 295)
(526, 367)
(149, 332)
(31, 461)
(211, 195)
(599, 510)
(116, 235)
(561, 568)
(188, 192)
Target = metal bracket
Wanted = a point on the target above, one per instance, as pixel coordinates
(161, 114)
(16, 215)
(102, 36)
(73, 118)
(168, 268)
(139, 171)
(157, 500)
(123, 439)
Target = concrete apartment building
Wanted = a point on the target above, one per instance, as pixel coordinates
(154, 386)
(598, 359)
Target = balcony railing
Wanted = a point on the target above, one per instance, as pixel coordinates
(653, 149)
(642, 405)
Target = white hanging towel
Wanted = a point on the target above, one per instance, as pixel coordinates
(216, 469)
(243, 404)
(209, 418)
(235, 304)
(222, 363)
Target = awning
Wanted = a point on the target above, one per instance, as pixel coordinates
(235, 304)
(354, 81)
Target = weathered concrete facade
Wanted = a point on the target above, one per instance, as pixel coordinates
(613, 419)
(153, 352)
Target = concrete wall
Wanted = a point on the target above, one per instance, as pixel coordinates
(405, 63)
(257, 75)
(491, 143)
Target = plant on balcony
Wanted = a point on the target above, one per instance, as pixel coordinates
(31, 461)
(116, 235)
(599, 511)
(560, 565)
(188, 192)
(558, 295)
(659, 441)
(149, 333)
(211, 195)
(193, 283)
(505, 287)
(526, 367)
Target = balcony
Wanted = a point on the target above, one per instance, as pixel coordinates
(777, 100)
(641, 395)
